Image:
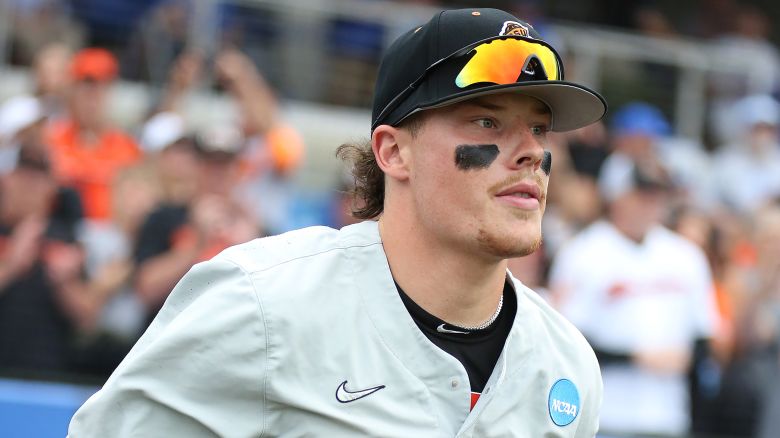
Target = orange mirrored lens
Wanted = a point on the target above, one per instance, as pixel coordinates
(502, 62)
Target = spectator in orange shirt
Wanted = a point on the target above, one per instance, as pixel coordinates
(87, 152)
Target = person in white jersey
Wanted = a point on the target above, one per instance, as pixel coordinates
(642, 295)
(407, 324)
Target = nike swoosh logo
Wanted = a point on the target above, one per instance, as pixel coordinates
(441, 329)
(343, 395)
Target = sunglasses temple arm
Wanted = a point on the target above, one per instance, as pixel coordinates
(394, 103)
(403, 94)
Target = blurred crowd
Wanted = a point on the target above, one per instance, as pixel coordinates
(664, 251)
(98, 224)
(666, 257)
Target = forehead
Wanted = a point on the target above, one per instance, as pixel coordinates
(91, 84)
(510, 103)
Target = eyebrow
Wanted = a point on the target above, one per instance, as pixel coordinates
(487, 105)
(537, 108)
(541, 109)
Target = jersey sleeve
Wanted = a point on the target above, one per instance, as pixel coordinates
(199, 370)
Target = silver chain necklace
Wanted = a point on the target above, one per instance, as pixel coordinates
(487, 323)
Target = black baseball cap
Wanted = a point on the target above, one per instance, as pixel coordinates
(423, 69)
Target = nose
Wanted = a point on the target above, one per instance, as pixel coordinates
(528, 151)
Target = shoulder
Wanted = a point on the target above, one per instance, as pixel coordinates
(672, 240)
(562, 351)
(211, 281)
(116, 135)
(210, 331)
(308, 244)
(60, 126)
(557, 330)
(59, 133)
(677, 249)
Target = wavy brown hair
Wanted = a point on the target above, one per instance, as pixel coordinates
(368, 191)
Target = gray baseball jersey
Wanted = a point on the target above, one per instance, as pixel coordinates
(304, 334)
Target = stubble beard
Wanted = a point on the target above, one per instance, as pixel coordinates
(502, 246)
(506, 248)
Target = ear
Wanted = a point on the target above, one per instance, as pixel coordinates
(390, 146)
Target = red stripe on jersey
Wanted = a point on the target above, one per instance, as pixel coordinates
(474, 398)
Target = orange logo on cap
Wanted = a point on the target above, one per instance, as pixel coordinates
(514, 28)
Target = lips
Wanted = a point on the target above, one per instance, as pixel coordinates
(524, 195)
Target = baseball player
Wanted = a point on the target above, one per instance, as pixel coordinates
(644, 310)
(407, 324)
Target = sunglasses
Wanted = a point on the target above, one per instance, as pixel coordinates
(499, 61)
(504, 61)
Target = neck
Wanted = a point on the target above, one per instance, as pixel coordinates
(88, 137)
(90, 128)
(631, 234)
(626, 225)
(455, 286)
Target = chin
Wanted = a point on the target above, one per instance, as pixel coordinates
(510, 245)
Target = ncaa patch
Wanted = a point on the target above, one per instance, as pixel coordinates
(563, 403)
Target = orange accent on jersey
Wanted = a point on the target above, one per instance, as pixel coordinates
(474, 398)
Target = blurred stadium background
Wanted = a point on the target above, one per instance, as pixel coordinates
(217, 121)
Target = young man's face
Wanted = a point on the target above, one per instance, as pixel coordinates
(477, 179)
(638, 211)
(88, 102)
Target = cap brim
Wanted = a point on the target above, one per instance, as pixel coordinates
(572, 105)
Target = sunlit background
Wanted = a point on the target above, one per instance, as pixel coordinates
(138, 137)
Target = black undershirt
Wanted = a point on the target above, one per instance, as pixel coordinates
(477, 350)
